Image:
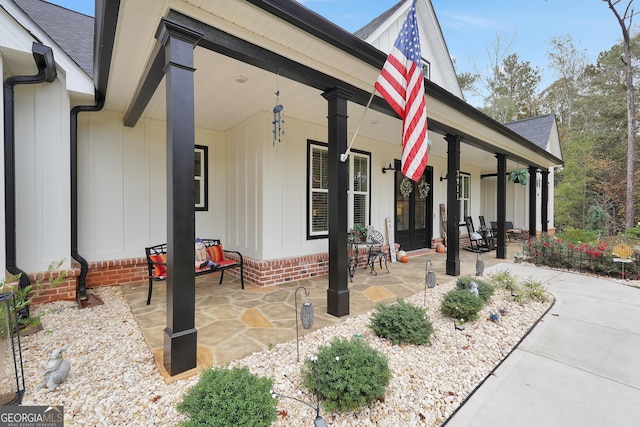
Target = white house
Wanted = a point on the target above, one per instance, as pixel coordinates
(105, 152)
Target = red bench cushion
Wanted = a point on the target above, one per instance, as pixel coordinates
(227, 262)
(159, 270)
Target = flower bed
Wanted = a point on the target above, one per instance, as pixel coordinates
(595, 258)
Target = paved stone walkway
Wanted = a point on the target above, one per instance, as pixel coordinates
(233, 323)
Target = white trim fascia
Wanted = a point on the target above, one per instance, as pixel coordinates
(77, 80)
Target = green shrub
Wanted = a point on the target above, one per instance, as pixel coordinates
(229, 397)
(632, 233)
(460, 304)
(577, 235)
(485, 290)
(401, 323)
(348, 375)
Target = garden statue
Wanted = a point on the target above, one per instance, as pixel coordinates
(474, 289)
(57, 369)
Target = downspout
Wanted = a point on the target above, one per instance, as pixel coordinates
(84, 266)
(104, 33)
(43, 56)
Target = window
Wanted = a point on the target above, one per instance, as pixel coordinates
(201, 179)
(464, 190)
(359, 191)
(318, 191)
(426, 69)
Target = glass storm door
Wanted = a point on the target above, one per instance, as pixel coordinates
(414, 210)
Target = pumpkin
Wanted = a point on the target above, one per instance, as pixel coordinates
(404, 259)
(401, 253)
(440, 248)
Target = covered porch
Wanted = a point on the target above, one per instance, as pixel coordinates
(233, 323)
(206, 76)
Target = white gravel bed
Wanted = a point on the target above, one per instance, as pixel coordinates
(114, 380)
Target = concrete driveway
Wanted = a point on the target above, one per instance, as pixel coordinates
(579, 366)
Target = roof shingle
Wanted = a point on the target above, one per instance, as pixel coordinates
(535, 129)
(70, 30)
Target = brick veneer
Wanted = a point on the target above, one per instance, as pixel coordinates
(43, 292)
(117, 272)
(258, 272)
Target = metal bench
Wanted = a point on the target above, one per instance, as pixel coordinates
(157, 262)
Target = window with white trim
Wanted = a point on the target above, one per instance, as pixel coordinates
(426, 69)
(201, 178)
(359, 192)
(464, 191)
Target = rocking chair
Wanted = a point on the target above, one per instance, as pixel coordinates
(475, 239)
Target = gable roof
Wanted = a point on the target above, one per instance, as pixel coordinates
(382, 31)
(70, 30)
(368, 29)
(535, 129)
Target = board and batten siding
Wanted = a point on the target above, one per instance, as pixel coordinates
(122, 186)
(42, 174)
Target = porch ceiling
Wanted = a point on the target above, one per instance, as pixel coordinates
(221, 102)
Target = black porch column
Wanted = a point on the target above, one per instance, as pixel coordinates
(533, 172)
(544, 209)
(338, 292)
(501, 199)
(453, 205)
(180, 335)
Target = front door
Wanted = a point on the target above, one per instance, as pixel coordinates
(414, 210)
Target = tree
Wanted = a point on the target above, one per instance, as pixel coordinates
(466, 80)
(625, 21)
(516, 85)
(568, 64)
(480, 84)
(594, 147)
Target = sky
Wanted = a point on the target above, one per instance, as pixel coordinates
(471, 27)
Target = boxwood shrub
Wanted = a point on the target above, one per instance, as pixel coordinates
(485, 290)
(229, 397)
(347, 374)
(461, 304)
(401, 323)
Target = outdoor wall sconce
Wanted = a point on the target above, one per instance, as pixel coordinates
(11, 367)
(390, 168)
(306, 315)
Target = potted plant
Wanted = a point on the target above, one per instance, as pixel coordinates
(22, 295)
(357, 234)
(519, 176)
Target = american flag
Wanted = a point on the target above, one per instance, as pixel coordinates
(401, 84)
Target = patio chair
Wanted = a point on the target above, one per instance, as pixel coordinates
(376, 252)
(475, 239)
(487, 233)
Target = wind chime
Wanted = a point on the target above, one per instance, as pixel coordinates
(278, 121)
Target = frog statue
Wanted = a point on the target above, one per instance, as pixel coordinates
(57, 369)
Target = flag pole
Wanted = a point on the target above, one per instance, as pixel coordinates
(345, 155)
